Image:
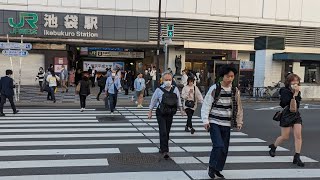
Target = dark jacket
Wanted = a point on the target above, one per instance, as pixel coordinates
(286, 95)
(84, 88)
(6, 86)
(147, 78)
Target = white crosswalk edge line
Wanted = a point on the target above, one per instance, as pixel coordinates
(53, 163)
(259, 159)
(164, 175)
(44, 152)
(74, 142)
(44, 136)
(260, 173)
(231, 148)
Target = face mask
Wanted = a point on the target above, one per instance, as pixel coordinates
(113, 74)
(167, 83)
(292, 86)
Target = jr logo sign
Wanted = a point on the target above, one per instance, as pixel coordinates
(19, 26)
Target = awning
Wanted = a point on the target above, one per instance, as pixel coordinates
(296, 57)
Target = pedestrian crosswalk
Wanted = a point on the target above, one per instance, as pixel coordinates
(65, 144)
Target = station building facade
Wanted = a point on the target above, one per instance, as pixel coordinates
(207, 33)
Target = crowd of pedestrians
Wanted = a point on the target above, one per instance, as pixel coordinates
(221, 109)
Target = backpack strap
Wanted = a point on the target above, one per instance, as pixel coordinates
(172, 89)
(163, 90)
(216, 94)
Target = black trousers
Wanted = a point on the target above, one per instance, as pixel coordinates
(189, 113)
(101, 90)
(83, 101)
(92, 81)
(3, 101)
(165, 123)
(41, 87)
(113, 101)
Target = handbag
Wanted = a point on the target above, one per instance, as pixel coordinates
(277, 116)
(288, 117)
(78, 88)
(190, 103)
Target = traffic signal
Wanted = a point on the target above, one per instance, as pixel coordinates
(170, 30)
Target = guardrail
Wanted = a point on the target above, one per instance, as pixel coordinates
(268, 93)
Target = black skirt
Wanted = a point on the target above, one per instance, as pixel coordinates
(296, 119)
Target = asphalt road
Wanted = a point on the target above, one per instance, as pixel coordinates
(62, 143)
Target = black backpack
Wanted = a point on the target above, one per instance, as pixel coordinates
(102, 82)
(169, 103)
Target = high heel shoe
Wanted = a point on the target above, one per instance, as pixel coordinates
(297, 160)
(272, 151)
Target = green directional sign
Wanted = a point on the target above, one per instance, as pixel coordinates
(19, 26)
(170, 30)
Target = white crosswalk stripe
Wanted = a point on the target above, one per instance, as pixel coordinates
(65, 144)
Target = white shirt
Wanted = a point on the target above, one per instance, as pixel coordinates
(153, 74)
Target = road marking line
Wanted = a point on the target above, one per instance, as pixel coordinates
(53, 163)
(260, 159)
(156, 150)
(163, 175)
(67, 130)
(67, 125)
(231, 148)
(44, 136)
(74, 142)
(260, 173)
(45, 152)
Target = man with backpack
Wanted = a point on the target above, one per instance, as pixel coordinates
(167, 100)
(221, 111)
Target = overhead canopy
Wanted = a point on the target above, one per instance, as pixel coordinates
(296, 57)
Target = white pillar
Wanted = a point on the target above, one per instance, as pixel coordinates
(266, 70)
(299, 70)
(172, 56)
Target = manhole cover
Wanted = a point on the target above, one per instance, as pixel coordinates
(134, 159)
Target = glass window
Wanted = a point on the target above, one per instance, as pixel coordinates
(312, 73)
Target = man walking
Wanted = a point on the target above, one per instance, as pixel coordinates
(64, 76)
(102, 84)
(153, 75)
(167, 100)
(221, 111)
(6, 90)
(113, 86)
(147, 79)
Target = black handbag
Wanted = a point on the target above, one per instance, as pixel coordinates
(277, 116)
(189, 103)
(288, 118)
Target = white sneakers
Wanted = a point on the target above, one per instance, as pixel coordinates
(140, 106)
(82, 109)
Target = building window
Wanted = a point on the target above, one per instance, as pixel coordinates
(312, 73)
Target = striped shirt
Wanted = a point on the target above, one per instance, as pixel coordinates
(40, 76)
(221, 113)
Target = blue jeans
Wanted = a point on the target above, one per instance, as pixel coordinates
(52, 92)
(113, 101)
(220, 137)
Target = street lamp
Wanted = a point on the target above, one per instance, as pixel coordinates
(158, 46)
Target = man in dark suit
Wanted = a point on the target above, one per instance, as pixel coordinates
(6, 90)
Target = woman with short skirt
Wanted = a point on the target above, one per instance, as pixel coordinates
(290, 98)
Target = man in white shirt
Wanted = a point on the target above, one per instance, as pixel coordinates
(153, 74)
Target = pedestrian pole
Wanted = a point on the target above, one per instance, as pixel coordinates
(19, 83)
(15, 90)
(165, 56)
(158, 46)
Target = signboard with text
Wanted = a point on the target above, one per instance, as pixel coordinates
(19, 53)
(23, 46)
(74, 26)
(101, 66)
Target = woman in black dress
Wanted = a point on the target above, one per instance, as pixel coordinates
(290, 100)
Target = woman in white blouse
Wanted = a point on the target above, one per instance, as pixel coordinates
(191, 96)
